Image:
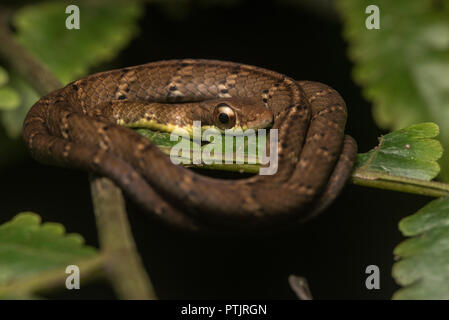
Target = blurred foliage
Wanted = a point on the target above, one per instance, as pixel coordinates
(105, 29)
(403, 67)
(411, 152)
(424, 266)
(3, 76)
(9, 99)
(12, 119)
(12, 104)
(29, 249)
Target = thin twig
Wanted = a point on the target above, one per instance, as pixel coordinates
(300, 286)
(123, 264)
(402, 184)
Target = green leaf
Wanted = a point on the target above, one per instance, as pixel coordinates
(423, 270)
(3, 76)
(162, 140)
(9, 99)
(29, 249)
(411, 152)
(13, 119)
(105, 28)
(403, 66)
(433, 215)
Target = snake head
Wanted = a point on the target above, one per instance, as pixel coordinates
(236, 113)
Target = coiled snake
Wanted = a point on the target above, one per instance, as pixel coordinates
(76, 126)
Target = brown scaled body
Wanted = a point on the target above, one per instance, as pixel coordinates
(315, 157)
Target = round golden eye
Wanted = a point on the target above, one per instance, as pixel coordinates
(224, 116)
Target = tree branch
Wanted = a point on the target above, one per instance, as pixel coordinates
(20, 60)
(300, 286)
(123, 264)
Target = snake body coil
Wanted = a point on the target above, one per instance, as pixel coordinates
(71, 127)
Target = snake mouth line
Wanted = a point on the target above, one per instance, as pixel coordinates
(169, 128)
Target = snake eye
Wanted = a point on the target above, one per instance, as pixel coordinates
(224, 116)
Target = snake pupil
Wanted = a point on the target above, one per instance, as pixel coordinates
(224, 118)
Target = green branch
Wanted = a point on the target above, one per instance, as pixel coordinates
(402, 184)
(124, 264)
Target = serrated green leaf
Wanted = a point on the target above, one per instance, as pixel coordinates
(424, 266)
(29, 248)
(403, 66)
(435, 214)
(105, 28)
(411, 152)
(9, 98)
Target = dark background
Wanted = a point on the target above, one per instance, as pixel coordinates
(332, 251)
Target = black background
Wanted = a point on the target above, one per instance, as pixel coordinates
(332, 251)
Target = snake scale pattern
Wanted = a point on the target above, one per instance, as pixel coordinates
(72, 127)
